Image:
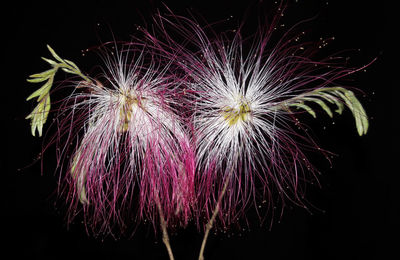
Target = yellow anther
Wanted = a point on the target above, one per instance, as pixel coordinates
(125, 112)
(234, 115)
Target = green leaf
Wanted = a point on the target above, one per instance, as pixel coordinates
(340, 107)
(41, 91)
(350, 105)
(51, 62)
(68, 70)
(39, 115)
(44, 74)
(72, 64)
(37, 80)
(338, 96)
(44, 113)
(55, 54)
(333, 100)
(358, 112)
(305, 107)
(321, 104)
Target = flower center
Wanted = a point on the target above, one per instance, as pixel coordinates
(129, 100)
(237, 113)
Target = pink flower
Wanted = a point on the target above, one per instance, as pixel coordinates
(132, 153)
(249, 143)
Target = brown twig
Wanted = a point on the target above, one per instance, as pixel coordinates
(212, 219)
(165, 237)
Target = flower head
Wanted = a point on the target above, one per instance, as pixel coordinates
(132, 153)
(244, 126)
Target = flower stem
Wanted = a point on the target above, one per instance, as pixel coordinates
(212, 220)
(165, 237)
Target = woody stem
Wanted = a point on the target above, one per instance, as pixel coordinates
(212, 220)
(165, 237)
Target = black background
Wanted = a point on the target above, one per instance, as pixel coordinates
(357, 196)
